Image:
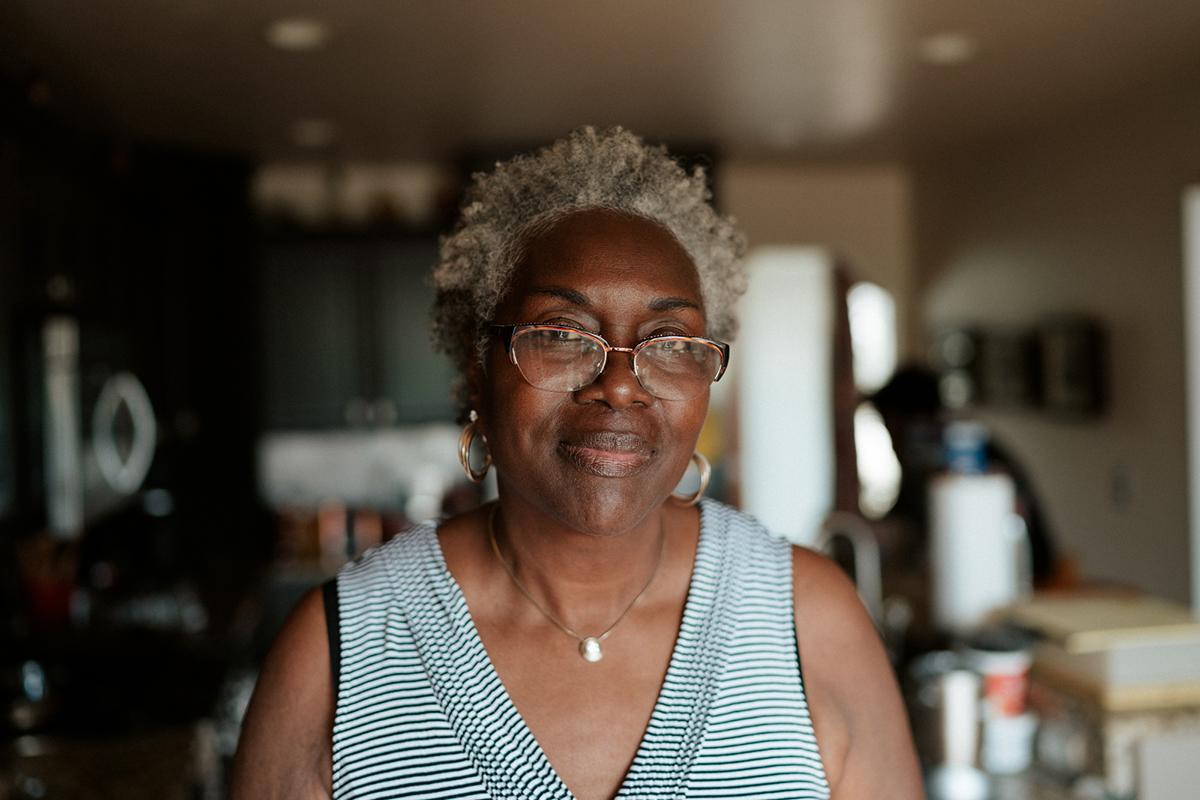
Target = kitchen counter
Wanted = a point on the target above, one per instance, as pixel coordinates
(154, 765)
(1030, 786)
(1033, 785)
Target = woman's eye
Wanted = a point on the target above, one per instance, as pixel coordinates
(671, 329)
(669, 348)
(562, 322)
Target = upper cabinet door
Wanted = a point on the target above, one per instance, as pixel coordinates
(415, 379)
(313, 351)
(347, 335)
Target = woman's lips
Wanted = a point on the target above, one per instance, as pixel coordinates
(609, 454)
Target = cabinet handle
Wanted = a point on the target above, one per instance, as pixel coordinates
(124, 475)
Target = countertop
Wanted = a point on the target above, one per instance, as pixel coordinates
(155, 765)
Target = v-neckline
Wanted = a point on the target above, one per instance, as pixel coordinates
(491, 730)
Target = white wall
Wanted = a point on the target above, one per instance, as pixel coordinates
(1080, 219)
(1085, 219)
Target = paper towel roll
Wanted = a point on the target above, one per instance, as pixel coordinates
(975, 547)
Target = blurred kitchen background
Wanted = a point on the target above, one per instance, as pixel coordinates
(974, 224)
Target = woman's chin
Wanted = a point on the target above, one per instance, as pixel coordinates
(608, 507)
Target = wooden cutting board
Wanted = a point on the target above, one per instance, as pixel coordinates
(1094, 624)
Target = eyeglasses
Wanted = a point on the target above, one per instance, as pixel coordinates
(561, 359)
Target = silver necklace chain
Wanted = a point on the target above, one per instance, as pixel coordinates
(589, 646)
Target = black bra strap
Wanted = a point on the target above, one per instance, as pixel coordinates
(333, 627)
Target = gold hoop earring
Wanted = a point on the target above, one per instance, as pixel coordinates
(705, 474)
(464, 450)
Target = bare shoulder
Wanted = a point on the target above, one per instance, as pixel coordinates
(286, 743)
(861, 726)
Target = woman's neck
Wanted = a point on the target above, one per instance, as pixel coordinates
(582, 577)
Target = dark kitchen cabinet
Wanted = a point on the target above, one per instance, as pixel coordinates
(415, 378)
(347, 333)
(150, 249)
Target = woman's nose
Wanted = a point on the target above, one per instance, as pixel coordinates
(617, 385)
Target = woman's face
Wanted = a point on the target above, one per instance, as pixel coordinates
(603, 457)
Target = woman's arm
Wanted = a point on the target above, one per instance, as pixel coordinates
(861, 726)
(286, 747)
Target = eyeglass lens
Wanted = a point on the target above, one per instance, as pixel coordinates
(564, 361)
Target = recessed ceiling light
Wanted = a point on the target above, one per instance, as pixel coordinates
(297, 34)
(949, 47)
(314, 134)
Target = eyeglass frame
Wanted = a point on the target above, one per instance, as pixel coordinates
(506, 334)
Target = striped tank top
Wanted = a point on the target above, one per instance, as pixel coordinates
(422, 713)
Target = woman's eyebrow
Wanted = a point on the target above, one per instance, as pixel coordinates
(571, 296)
(672, 303)
(577, 298)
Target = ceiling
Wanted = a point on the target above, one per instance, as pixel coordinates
(408, 79)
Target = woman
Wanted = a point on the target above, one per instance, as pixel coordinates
(586, 635)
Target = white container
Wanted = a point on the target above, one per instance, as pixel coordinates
(960, 716)
(1005, 679)
(957, 777)
(978, 544)
(1008, 743)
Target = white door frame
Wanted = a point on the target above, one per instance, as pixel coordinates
(1191, 326)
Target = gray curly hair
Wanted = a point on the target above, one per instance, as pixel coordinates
(612, 169)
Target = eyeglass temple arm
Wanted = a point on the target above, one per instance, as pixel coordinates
(724, 348)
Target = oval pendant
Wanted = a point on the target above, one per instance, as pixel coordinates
(589, 648)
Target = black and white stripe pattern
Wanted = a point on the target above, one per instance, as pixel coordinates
(422, 713)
